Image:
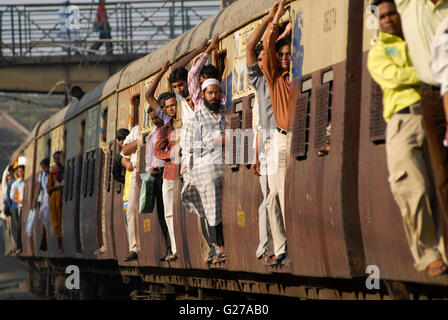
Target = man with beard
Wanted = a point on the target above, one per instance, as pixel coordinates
(204, 141)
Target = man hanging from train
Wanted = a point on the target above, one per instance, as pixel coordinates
(165, 149)
(122, 171)
(16, 195)
(156, 167)
(204, 141)
(420, 20)
(130, 147)
(42, 201)
(264, 127)
(54, 188)
(276, 62)
(410, 179)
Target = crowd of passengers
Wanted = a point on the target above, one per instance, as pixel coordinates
(409, 60)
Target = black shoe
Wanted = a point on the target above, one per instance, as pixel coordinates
(279, 260)
(171, 256)
(131, 257)
(98, 252)
(167, 254)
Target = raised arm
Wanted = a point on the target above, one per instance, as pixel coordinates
(149, 95)
(269, 55)
(182, 62)
(257, 35)
(194, 84)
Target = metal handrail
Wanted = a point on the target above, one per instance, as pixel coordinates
(136, 27)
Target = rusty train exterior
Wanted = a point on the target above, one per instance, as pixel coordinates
(340, 214)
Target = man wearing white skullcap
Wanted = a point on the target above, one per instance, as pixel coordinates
(204, 141)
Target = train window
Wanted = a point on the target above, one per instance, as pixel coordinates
(235, 126)
(377, 125)
(48, 151)
(103, 128)
(72, 181)
(110, 165)
(248, 132)
(238, 106)
(323, 114)
(220, 62)
(301, 121)
(92, 172)
(85, 175)
(135, 101)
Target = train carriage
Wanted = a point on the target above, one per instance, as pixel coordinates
(384, 239)
(340, 214)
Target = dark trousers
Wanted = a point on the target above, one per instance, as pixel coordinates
(434, 122)
(160, 208)
(104, 34)
(219, 235)
(16, 224)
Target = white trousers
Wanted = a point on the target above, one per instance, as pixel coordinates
(276, 167)
(168, 198)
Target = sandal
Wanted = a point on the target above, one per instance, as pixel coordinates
(266, 259)
(436, 268)
(220, 257)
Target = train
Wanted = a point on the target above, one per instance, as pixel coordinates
(341, 219)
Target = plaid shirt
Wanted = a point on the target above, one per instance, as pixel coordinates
(200, 132)
(202, 193)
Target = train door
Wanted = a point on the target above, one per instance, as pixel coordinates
(107, 138)
(75, 129)
(90, 204)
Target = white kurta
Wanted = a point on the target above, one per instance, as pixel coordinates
(44, 208)
(202, 194)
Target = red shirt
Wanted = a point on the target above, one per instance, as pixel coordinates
(166, 141)
(101, 9)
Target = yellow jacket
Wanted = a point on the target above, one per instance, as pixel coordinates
(390, 66)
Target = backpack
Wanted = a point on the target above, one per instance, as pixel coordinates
(118, 171)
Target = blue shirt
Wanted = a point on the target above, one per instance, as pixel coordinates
(13, 205)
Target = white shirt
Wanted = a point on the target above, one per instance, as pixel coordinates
(43, 180)
(439, 56)
(132, 136)
(186, 112)
(17, 187)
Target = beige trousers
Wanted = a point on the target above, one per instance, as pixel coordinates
(276, 170)
(131, 212)
(168, 198)
(412, 188)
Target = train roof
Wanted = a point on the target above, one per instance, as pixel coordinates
(223, 23)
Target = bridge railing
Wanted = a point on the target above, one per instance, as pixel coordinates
(37, 29)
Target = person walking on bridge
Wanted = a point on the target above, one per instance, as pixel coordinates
(102, 25)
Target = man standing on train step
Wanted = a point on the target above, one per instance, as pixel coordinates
(165, 149)
(204, 141)
(409, 174)
(264, 126)
(16, 195)
(130, 147)
(420, 19)
(276, 62)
